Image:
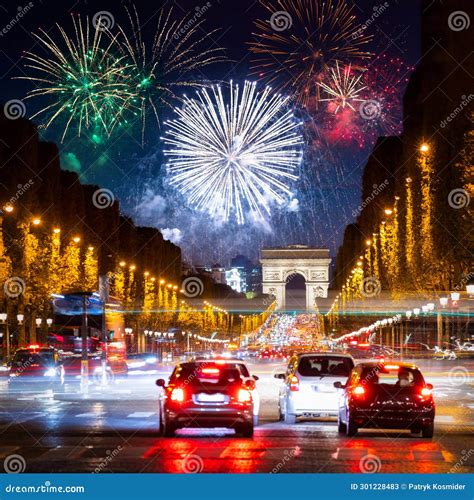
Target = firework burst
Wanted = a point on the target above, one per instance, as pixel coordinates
(228, 159)
(101, 79)
(344, 88)
(318, 33)
(84, 77)
(159, 68)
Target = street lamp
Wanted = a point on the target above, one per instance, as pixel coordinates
(470, 290)
(6, 336)
(455, 296)
(443, 301)
(20, 317)
(416, 311)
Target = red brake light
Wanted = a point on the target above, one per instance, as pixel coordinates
(358, 390)
(391, 367)
(425, 392)
(244, 396)
(33, 346)
(177, 394)
(294, 383)
(210, 371)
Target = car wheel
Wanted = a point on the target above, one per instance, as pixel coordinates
(290, 419)
(341, 427)
(428, 431)
(247, 430)
(351, 428)
(167, 429)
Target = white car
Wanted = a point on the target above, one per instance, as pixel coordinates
(308, 390)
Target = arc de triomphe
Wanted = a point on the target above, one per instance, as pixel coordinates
(280, 263)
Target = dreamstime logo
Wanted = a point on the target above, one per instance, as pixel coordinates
(288, 455)
(110, 455)
(370, 287)
(369, 464)
(14, 464)
(192, 287)
(370, 109)
(281, 20)
(14, 109)
(458, 198)
(14, 287)
(377, 189)
(103, 198)
(193, 464)
(103, 20)
(465, 456)
(458, 375)
(198, 13)
(459, 20)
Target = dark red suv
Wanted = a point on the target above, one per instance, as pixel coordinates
(390, 395)
(207, 394)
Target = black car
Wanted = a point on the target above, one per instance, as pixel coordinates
(207, 394)
(390, 395)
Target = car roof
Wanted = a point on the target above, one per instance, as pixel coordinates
(373, 364)
(325, 354)
(214, 360)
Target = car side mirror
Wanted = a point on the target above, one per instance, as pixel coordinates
(255, 377)
(161, 382)
(429, 386)
(339, 385)
(281, 376)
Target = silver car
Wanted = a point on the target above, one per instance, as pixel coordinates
(308, 390)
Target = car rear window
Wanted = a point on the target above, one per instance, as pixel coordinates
(196, 374)
(29, 357)
(401, 377)
(315, 366)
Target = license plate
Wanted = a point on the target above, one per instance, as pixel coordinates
(210, 398)
(323, 388)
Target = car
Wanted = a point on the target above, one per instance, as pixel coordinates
(308, 390)
(207, 393)
(142, 362)
(115, 368)
(389, 395)
(36, 364)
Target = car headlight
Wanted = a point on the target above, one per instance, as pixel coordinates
(50, 372)
(151, 360)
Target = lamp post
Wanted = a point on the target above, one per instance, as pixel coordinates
(6, 336)
(455, 296)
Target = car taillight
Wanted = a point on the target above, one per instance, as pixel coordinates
(358, 391)
(244, 396)
(425, 392)
(210, 371)
(294, 383)
(177, 394)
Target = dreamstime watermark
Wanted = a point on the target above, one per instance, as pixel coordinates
(459, 20)
(192, 464)
(21, 190)
(465, 456)
(103, 198)
(458, 198)
(198, 13)
(103, 20)
(110, 455)
(378, 10)
(370, 464)
(370, 287)
(377, 189)
(370, 109)
(192, 287)
(464, 103)
(14, 464)
(281, 20)
(459, 375)
(14, 287)
(14, 109)
(288, 455)
(20, 368)
(21, 11)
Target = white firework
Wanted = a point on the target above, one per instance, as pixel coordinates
(231, 158)
(343, 89)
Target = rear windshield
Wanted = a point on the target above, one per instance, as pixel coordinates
(402, 377)
(195, 374)
(315, 366)
(28, 357)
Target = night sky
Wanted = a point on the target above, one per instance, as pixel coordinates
(328, 188)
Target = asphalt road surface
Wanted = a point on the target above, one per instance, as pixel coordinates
(115, 430)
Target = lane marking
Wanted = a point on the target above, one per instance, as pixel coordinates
(142, 414)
